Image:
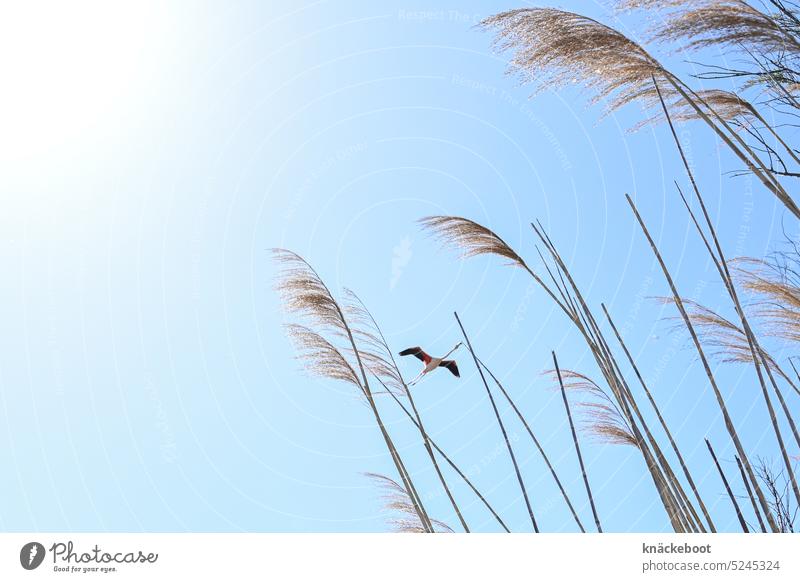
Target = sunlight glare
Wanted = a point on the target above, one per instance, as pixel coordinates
(69, 68)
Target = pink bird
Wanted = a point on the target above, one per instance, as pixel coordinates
(430, 363)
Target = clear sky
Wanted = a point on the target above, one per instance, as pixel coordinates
(154, 156)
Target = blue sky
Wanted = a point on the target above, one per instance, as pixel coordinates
(145, 382)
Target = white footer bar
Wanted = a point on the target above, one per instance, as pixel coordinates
(398, 557)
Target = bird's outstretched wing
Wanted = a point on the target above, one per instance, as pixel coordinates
(450, 365)
(417, 353)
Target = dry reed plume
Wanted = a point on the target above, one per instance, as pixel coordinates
(729, 23)
(602, 419)
(553, 48)
(397, 502)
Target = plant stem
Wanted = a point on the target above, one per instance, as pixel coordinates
(577, 445)
(750, 495)
(742, 522)
(730, 427)
(502, 427)
(538, 446)
(663, 423)
(453, 466)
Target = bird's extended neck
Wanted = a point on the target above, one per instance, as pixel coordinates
(458, 345)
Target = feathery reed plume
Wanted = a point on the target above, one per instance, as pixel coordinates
(603, 419)
(537, 444)
(304, 293)
(664, 426)
(554, 48)
(732, 24)
(727, 339)
(779, 304)
(732, 497)
(450, 462)
(577, 445)
(730, 345)
(398, 502)
(321, 357)
(470, 237)
(729, 425)
(380, 360)
(727, 105)
(750, 495)
(502, 427)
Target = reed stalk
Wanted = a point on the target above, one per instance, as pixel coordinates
(722, 268)
(502, 427)
(577, 446)
(663, 423)
(452, 464)
(475, 239)
(538, 446)
(383, 357)
(305, 293)
(729, 426)
(750, 495)
(739, 515)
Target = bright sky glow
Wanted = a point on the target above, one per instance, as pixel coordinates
(68, 67)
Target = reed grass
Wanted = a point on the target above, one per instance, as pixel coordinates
(750, 495)
(305, 294)
(553, 48)
(502, 426)
(729, 425)
(732, 497)
(664, 426)
(382, 360)
(398, 502)
(610, 429)
(538, 445)
(721, 264)
(452, 464)
(473, 240)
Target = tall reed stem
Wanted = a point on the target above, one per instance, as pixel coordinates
(750, 495)
(742, 522)
(455, 467)
(577, 445)
(730, 427)
(502, 427)
(722, 267)
(663, 423)
(538, 446)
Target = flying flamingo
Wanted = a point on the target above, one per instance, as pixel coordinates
(431, 363)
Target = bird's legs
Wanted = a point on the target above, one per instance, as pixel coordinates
(417, 379)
